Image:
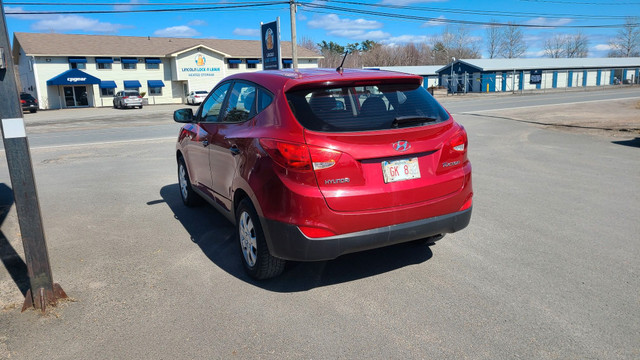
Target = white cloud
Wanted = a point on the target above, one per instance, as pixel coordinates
(177, 31)
(65, 23)
(130, 6)
(602, 47)
(301, 17)
(357, 29)
(197, 23)
(435, 22)
(247, 32)
(9, 10)
(403, 39)
(333, 22)
(534, 54)
(541, 21)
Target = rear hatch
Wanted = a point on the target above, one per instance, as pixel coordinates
(380, 145)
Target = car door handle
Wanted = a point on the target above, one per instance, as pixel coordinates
(205, 143)
(234, 150)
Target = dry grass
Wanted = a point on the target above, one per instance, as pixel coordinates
(638, 105)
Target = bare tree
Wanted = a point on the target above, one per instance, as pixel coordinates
(454, 42)
(567, 46)
(627, 41)
(554, 47)
(513, 44)
(577, 46)
(494, 38)
(309, 44)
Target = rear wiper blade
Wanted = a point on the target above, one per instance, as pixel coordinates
(402, 121)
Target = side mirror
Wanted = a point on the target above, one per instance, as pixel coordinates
(183, 116)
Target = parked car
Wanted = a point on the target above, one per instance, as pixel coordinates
(196, 97)
(28, 102)
(127, 98)
(314, 164)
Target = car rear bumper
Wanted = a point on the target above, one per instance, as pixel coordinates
(287, 242)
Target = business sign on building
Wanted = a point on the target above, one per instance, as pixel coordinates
(199, 67)
(535, 77)
(271, 54)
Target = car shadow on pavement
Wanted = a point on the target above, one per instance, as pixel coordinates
(14, 264)
(633, 142)
(216, 238)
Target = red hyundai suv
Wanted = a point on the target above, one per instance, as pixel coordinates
(313, 164)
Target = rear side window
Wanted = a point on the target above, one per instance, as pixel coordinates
(365, 108)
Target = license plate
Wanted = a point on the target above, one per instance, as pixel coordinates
(400, 170)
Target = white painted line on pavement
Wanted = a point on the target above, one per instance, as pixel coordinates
(539, 105)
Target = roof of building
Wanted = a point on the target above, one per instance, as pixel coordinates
(416, 70)
(48, 44)
(546, 63)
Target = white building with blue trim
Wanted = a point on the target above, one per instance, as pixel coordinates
(65, 71)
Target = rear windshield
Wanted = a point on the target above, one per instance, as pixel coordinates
(26, 97)
(365, 108)
(131, 93)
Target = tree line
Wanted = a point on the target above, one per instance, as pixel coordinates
(456, 42)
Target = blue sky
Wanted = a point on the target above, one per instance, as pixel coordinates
(317, 22)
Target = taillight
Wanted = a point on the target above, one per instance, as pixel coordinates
(22, 101)
(454, 152)
(125, 97)
(300, 157)
(35, 101)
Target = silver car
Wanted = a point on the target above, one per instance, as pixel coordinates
(127, 98)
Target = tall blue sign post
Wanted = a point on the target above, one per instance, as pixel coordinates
(271, 53)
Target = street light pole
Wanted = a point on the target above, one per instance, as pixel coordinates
(42, 290)
(453, 60)
(294, 45)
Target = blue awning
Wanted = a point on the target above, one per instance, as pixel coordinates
(73, 77)
(77, 59)
(287, 61)
(152, 60)
(129, 60)
(155, 83)
(253, 61)
(235, 61)
(104, 60)
(132, 84)
(108, 84)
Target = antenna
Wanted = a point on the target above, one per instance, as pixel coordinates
(339, 69)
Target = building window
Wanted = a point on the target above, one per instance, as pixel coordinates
(78, 65)
(234, 63)
(152, 63)
(252, 66)
(155, 91)
(129, 63)
(286, 66)
(77, 62)
(104, 66)
(107, 92)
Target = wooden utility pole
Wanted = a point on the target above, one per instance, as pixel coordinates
(294, 45)
(43, 291)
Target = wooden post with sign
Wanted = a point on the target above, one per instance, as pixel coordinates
(43, 291)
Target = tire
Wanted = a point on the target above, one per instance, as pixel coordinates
(188, 196)
(32, 110)
(140, 106)
(255, 255)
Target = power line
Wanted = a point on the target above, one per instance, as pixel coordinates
(200, 8)
(448, 21)
(480, 12)
(586, 2)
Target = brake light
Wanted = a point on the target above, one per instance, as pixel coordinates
(454, 152)
(300, 157)
(125, 97)
(22, 101)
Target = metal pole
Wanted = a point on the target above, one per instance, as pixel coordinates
(43, 291)
(294, 45)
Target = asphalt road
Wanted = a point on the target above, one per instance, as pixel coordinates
(547, 269)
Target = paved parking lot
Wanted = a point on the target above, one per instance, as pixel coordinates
(547, 269)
